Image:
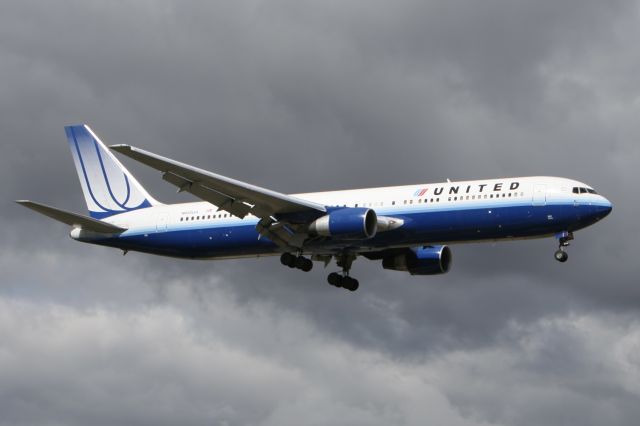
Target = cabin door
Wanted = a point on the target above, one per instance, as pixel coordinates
(161, 224)
(539, 194)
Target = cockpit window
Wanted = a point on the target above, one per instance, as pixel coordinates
(583, 190)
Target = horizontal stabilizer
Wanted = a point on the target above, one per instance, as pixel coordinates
(72, 219)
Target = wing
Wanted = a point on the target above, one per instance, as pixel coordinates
(279, 213)
(72, 219)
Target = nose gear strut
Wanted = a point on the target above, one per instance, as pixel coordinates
(563, 241)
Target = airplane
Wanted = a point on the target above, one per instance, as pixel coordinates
(408, 228)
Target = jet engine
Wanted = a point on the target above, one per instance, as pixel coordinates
(349, 223)
(429, 260)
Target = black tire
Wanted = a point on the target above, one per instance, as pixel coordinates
(350, 284)
(561, 256)
(335, 279)
(307, 266)
(287, 259)
(302, 263)
(353, 284)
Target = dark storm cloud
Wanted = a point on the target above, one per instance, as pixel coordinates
(299, 97)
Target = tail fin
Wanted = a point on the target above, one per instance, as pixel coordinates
(108, 186)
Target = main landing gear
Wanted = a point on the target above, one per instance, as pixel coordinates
(336, 279)
(298, 262)
(344, 280)
(563, 241)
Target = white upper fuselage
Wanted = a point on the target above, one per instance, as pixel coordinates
(444, 196)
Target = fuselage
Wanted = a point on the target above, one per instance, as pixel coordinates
(433, 213)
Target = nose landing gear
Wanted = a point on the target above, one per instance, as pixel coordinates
(563, 241)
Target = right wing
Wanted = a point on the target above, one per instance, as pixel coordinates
(73, 219)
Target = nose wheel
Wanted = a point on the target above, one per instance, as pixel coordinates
(561, 255)
(563, 241)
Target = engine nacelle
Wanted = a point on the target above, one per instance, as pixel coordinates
(430, 260)
(347, 224)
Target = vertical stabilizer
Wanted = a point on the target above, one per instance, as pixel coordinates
(108, 186)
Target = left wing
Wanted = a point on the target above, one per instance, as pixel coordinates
(276, 210)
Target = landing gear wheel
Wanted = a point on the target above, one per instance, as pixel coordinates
(561, 256)
(308, 266)
(350, 284)
(287, 259)
(303, 263)
(335, 279)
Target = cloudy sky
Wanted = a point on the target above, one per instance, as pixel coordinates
(303, 96)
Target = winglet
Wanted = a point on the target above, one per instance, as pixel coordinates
(72, 219)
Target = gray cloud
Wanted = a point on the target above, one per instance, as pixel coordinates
(299, 97)
(230, 363)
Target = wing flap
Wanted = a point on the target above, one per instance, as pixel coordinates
(72, 219)
(224, 202)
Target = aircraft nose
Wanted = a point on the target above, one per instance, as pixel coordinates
(605, 208)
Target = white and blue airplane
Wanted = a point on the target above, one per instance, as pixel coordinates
(405, 227)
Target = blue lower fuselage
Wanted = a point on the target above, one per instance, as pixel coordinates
(422, 226)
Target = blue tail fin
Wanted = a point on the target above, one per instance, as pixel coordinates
(108, 186)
